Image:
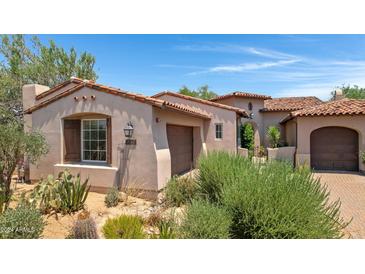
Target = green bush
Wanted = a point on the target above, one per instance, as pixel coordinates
(65, 194)
(268, 201)
(205, 220)
(180, 190)
(167, 229)
(273, 134)
(124, 227)
(23, 222)
(112, 197)
(247, 136)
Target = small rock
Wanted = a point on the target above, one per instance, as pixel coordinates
(161, 198)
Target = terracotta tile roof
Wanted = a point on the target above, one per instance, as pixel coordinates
(290, 103)
(134, 96)
(241, 94)
(332, 108)
(206, 102)
(59, 86)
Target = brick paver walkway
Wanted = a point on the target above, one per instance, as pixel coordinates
(350, 188)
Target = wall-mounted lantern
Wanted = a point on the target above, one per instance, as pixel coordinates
(128, 133)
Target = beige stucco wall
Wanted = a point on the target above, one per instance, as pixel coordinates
(273, 118)
(291, 132)
(161, 118)
(257, 120)
(136, 166)
(282, 154)
(306, 125)
(219, 115)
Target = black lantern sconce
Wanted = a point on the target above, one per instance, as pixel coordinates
(128, 133)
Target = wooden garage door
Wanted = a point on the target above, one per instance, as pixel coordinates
(334, 148)
(180, 140)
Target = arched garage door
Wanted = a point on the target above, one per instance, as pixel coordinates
(334, 148)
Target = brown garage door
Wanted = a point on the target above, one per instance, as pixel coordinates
(334, 148)
(180, 140)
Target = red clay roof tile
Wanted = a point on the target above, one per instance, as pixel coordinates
(290, 103)
(241, 94)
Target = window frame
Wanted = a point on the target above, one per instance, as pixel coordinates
(106, 141)
(216, 131)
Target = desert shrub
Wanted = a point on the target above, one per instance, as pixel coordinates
(217, 169)
(154, 218)
(112, 197)
(247, 136)
(84, 227)
(167, 229)
(205, 220)
(124, 227)
(180, 190)
(269, 201)
(23, 222)
(65, 194)
(273, 134)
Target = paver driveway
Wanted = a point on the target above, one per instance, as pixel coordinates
(350, 188)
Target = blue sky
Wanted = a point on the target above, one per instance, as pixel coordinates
(277, 65)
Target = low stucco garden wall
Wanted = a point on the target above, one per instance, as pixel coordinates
(281, 153)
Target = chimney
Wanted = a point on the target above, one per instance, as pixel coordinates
(339, 94)
(30, 92)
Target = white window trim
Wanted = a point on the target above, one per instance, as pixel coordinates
(215, 131)
(82, 142)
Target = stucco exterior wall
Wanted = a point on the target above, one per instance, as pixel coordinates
(291, 133)
(135, 165)
(257, 118)
(162, 118)
(273, 118)
(55, 93)
(219, 115)
(306, 125)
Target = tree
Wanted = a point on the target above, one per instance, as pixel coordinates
(202, 92)
(37, 63)
(273, 134)
(14, 144)
(247, 136)
(351, 92)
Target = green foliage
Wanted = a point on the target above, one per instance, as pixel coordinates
(65, 194)
(247, 136)
(23, 222)
(15, 143)
(84, 227)
(205, 220)
(167, 229)
(124, 227)
(202, 92)
(112, 197)
(180, 190)
(351, 92)
(268, 201)
(273, 134)
(28, 63)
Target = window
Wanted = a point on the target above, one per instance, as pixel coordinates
(219, 131)
(250, 106)
(94, 144)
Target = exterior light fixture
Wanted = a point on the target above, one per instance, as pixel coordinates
(128, 130)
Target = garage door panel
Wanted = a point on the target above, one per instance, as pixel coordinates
(180, 139)
(334, 148)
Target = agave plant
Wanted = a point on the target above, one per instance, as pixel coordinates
(72, 192)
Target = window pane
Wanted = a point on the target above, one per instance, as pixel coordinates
(93, 124)
(86, 155)
(93, 135)
(102, 156)
(87, 145)
(86, 124)
(102, 124)
(86, 135)
(102, 145)
(94, 156)
(102, 135)
(94, 145)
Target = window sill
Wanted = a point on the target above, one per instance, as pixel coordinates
(86, 165)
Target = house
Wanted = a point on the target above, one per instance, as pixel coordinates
(119, 138)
